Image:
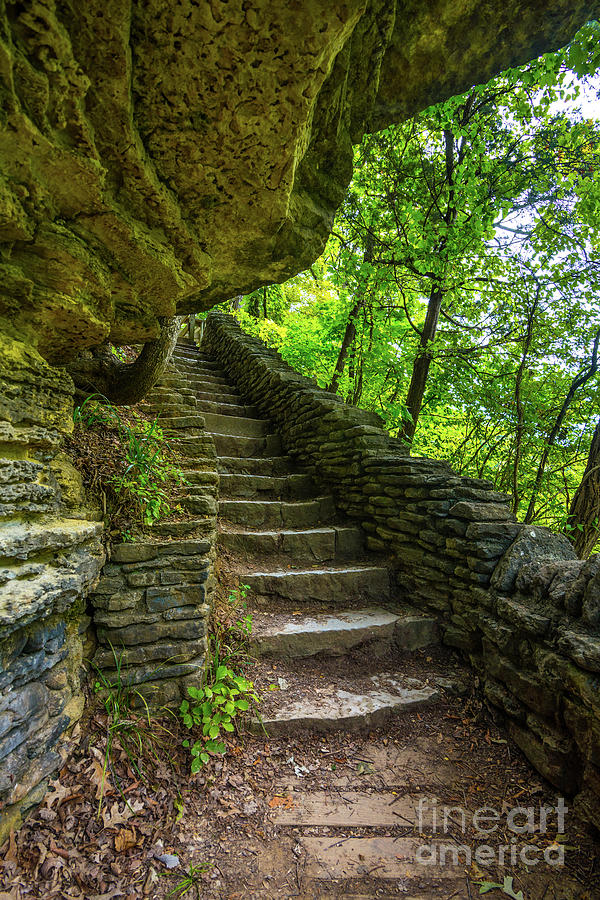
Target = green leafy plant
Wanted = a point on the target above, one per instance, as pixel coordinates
(214, 707)
(242, 628)
(190, 880)
(147, 470)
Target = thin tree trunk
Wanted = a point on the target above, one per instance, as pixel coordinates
(519, 404)
(350, 332)
(347, 341)
(100, 372)
(584, 513)
(422, 364)
(577, 382)
(418, 381)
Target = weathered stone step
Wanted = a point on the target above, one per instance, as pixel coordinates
(201, 476)
(237, 425)
(262, 465)
(237, 445)
(228, 409)
(167, 411)
(218, 396)
(169, 395)
(326, 585)
(200, 504)
(199, 450)
(175, 423)
(292, 487)
(277, 513)
(198, 370)
(311, 544)
(326, 707)
(214, 381)
(294, 636)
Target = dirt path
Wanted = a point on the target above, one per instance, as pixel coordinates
(305, 816)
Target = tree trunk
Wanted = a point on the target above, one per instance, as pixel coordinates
(416, 390)
(347, 342)
(584, 512)
(577, 382)
(520, 429)
(121, 383)
(420, 372)
(350, 333)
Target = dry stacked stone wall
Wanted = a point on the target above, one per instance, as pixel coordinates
(50, 556)
(152, 603)
(512, 597)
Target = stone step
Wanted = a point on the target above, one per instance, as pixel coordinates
(262, 465)
(196, 369)
(214, 381)
(200, 503)
(228, 409)
(293, 636)
(198, 450)
(166, 411)
(258, 514)
(237, 425)
(325, 585)
(218, 397)
(296, 636)
(311, 544)
(255, 487)
(175, 423)
(238, 445)
(168, 395)
(366, 703)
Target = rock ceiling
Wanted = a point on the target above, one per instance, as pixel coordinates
(159, 157)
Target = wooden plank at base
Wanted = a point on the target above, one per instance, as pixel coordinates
(383, 857)
(354, 808)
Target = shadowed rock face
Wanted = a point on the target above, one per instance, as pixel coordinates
(159, 157)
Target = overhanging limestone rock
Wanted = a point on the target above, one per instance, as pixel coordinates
(162, 157)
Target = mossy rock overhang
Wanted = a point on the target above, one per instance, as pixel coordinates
(162, 157)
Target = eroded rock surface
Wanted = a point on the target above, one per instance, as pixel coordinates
(158, 157)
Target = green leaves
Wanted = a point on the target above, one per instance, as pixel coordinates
(215, 708)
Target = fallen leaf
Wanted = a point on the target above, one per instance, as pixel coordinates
(281, 802)
(117, 817)
(125, 839)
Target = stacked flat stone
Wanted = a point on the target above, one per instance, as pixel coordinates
(152, 603)
(513, 598)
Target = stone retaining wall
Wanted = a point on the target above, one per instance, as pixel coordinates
(513, 598)
(50, 556)
(152, 603)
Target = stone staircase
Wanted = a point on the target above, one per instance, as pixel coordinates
(313, 588)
